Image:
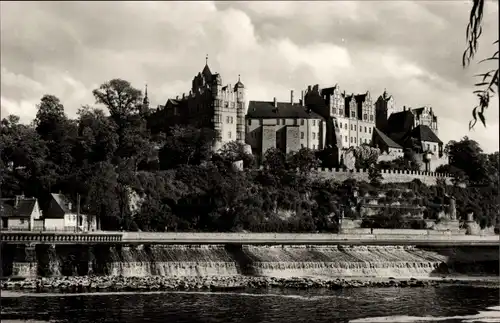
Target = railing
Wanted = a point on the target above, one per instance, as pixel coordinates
(45, 229)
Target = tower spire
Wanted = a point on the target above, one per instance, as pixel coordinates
(206, 59)
(145, 101)
(239, 78)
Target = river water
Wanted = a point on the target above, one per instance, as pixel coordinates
(440, 304)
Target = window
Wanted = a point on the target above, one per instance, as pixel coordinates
(371, 117)
(353, 114)
(314, 122)
(365, 116)
(354, 127)
(301, 145)
(249, 122)
(314, 146)
(369, 129)
(229, 134)
(355, 140)
(227, 119)
(345, 138)
(345, 126)
(301, 135)
(294, 122)
(428, 147)
(334, 111)
(365, 130)
(283, 121)
(314, 135)
(351, 127)
(341, 125)
(351, 140)
(301, 122)
(434, 148)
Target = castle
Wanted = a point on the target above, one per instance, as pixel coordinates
(323, 118)
(210, 104)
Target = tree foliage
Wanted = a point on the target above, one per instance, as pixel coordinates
(106, 159)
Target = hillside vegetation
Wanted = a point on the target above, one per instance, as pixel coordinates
(179, 185)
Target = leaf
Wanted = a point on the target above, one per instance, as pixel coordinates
(481, 116)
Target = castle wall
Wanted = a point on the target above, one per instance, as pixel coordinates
(268, 138)
(389, 176)
(292, 139)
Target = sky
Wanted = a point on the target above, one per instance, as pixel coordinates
(413, 49)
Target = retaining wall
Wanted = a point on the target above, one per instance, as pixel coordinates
(300, 237)
(389, 176)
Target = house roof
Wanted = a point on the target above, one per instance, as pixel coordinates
(328, 90)
(63, 201)
(400, 122)
(23, 209)
(424, 133)
(206, 71)
(360, 98)
(388, 141)
(266, 110)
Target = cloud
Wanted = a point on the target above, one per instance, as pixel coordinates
(413, 49)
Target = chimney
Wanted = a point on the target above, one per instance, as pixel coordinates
(309, 88)
(404, 107)
(275, 103)
(18, 198)
(291, 97)
(302, 97)
(183, 95)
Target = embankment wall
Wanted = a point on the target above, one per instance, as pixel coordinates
(389, 176)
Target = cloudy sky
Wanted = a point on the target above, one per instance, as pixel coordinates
(413, 49)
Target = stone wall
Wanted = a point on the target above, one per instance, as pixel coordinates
(389, 176)
(300, 238)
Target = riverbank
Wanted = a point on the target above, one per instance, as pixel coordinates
(86, 284)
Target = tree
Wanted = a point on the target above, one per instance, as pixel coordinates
(489, 80)
(120, 98)
(186, 146)
(304, 160)
(124, 102)
(275, 160)
(366, 156)
(49, 116)
(468, 156)
(234, 151)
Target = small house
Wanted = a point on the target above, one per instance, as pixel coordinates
(20, 213)
(62, 215)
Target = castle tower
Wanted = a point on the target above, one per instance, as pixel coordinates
(145, 101)
(239, 89)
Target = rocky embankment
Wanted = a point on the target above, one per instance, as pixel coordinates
(216, 283)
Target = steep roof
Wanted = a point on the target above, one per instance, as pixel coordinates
(388, 141)
(266, 110)
(424, 133)
(328, 90)
(400, 122)
(63, 201)
(360, 98)
(207, 71)
(418, 111)
(24, 208)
